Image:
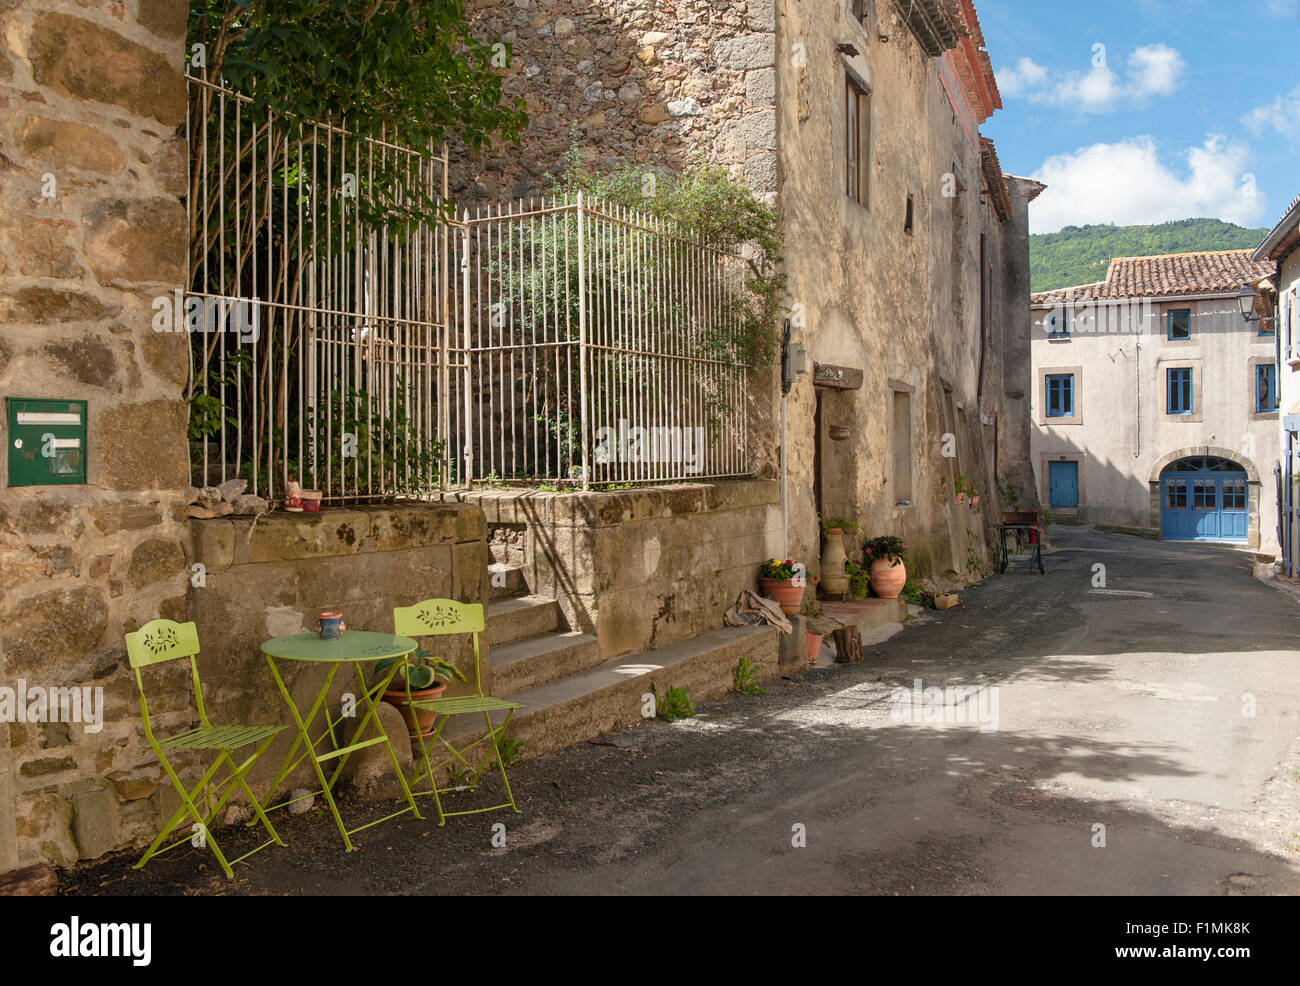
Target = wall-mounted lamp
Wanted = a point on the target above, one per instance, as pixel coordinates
(1246, 302)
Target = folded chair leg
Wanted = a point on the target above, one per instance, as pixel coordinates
(187, 808)
(252, 798)
(501, 761)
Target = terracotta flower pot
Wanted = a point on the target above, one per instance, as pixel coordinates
(975, 501)
(814, 641)
(784, 593)
(418, 721)
(887, 580)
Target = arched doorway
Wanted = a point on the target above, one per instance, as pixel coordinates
(1204, 498)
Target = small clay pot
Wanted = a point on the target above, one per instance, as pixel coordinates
(784, 593)
(419, 722)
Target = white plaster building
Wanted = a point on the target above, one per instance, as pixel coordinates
(1154, 401)
(1282, 247)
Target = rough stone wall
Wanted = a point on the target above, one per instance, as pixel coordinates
(92, 228)
(903, 307)
(659, 82)
(1014, 323)
(643, 568)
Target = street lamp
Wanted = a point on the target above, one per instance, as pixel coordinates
(1246, 302)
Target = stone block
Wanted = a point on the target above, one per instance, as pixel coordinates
(746, 52)
(140, 446)
(154, 560)
(71, 145)
(760, 87)
(59, 629)
(82, 60)
(39, 305)
(137, 241)
(110, 516)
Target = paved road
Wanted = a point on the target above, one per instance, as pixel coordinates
(1123, 707)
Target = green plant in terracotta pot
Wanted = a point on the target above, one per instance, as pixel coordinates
(423, 676)
(783, 582)
(888, 573)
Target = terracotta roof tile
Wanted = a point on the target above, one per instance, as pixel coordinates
(1168, 275)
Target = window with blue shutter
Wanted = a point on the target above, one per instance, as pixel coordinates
(1178, 388)
(1060, 395)
(1265, 387)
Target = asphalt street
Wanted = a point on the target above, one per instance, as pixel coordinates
(1137, 737)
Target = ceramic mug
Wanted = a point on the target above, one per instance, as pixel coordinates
(330, 625)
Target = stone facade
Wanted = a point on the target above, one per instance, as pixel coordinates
(912, 308)
(642, 568)
(92, 227)
(635, 81)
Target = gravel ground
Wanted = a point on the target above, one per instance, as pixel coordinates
(1118, 706)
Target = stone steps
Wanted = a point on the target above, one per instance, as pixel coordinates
(514, 581)
(520, 617)
(536, 661)
(610, 696)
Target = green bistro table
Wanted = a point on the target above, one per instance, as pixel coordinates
(354, 647)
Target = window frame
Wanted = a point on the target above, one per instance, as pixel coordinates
(1065, 386)
(1065, 320)
(857, 140)
(1169, 325)
(1190, 390)
(1266, 370)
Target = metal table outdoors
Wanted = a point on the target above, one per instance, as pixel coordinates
(354, 647)
(1020, 530)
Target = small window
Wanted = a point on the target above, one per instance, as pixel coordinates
(1060, 395)
(857, 140)
(1176, 495)
(1234, 494)
(1178, 323)
(902, 450)
(907, 219)
(1058, 323)
(1178, 388)
(1265, 388)
(1204, 495)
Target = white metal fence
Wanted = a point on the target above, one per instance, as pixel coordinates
(350, 331)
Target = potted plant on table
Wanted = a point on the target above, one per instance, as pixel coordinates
(427, 677)
(833, 556)
(888, 573)
(783, 582)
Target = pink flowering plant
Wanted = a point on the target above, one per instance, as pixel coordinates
(885, 548)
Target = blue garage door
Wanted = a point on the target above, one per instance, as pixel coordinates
(1063, 484)
(1204, 498)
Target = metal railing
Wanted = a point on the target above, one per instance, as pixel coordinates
(350, 331)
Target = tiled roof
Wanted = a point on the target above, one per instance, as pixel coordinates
(994, 181)
(1283, 237)
(1169, 275)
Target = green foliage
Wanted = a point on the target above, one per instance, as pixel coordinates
(961, 482)
(859, 579)
(913, 593)
(742, 679)
(842, 523)
(887, 547)
(508, 750)
(371, 447)
(775, 568)
(1047, 517)
(1009, 495)
(673, 705)
(421, 669)
(226, 374)
(406, 69)
(706, 203)
(1080, 255)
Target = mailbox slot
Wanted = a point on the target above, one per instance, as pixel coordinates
(46, 441)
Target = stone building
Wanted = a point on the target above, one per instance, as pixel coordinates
(907, 253)
(1279, 308)
(906, 245)
(1154, 401)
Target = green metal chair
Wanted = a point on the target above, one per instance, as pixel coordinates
(164, 640)
(441, 617)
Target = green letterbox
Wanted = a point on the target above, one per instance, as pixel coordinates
(47, 442)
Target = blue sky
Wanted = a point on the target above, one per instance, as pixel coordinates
(1142, 111)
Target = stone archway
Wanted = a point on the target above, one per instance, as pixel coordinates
(1252, 482)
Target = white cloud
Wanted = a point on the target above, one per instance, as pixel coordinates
(1152, 70)
(1283, 8)
(1127, 183)
(1027, 75)
(1282, 115)
(1156, 70)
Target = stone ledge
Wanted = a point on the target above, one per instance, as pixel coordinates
(335, 531)
(610, 508)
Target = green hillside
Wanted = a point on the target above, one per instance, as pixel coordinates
(1080, 254)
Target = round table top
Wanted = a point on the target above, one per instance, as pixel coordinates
(353, 645)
